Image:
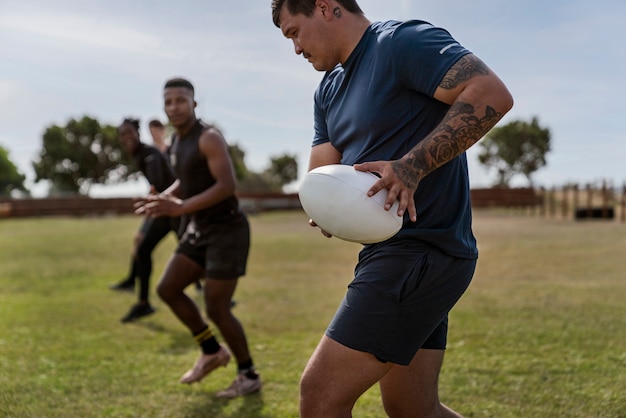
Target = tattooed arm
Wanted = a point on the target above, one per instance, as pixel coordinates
(477, 99)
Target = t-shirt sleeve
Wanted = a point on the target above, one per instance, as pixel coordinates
(320, 128)
(423, 54)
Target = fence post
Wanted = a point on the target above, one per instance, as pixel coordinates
(589, 200)
(565, 201)
(605, 200)
(624, 202)
(542, 205)
(553, 194)
(576, 196)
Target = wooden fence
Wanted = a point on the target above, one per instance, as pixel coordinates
(505, 198)
(85, 206)
(586, 202)
(569, 202)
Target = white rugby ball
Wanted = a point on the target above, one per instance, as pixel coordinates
(335, 198)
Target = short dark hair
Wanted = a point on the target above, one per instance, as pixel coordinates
(131, 121)
(179, 82)
(306, 8)
(155, 123)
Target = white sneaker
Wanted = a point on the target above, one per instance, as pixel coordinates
(205, 365)
(242, 385)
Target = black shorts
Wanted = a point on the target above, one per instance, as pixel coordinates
(221, 248)
(399, 300)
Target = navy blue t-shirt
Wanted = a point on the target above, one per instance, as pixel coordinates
(379, 105)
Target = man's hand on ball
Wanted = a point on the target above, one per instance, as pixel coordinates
(398, 189)
(326, 234)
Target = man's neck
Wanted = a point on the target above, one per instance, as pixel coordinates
(182, 131)
(352, 33)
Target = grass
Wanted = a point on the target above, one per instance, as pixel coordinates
(540, 333)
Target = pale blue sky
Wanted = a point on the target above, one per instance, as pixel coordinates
(564, 61)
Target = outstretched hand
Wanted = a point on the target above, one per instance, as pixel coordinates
(155, 205)
(397, 189)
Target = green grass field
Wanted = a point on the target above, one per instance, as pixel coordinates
(540, 333)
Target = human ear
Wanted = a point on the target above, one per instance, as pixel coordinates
(323, 6)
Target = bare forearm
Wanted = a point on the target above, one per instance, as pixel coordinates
(461, 129)
(173, 189)
(478, 99)
(208, 198)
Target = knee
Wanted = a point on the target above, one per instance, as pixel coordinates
(138, 238)
(144, 250)
(217, 312)
(417, 408)
(212, 313)
(316, 402)
(165, 291)
(142, 253)
(309, 405)
(161, 290)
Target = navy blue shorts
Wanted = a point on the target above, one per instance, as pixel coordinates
(399, 300)
(221, 248)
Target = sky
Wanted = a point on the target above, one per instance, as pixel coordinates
(563, 61)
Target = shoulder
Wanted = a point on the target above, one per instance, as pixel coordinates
(211, 139)
(152, 153)
(143, 151)
(422, 53)
(210, 132)
(418, 33)
(393, 29)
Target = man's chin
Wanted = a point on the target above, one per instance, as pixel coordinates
(178, 122)
(320, 67)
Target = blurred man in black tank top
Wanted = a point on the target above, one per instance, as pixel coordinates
(157, 170)
(160, 142)
(214, 245)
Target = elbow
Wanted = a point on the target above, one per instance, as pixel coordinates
(228, 188)
(507, 101)
(504, 97)
(495, 94)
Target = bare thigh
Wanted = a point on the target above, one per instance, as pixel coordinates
(179, 273)
(412, 391)
(218, 294)
(335, 377)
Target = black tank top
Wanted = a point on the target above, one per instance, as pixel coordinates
(154, 166)
(192, 171)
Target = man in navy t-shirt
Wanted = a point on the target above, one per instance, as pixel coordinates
(404, 100)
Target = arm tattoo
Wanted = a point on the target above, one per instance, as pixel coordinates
(459, 130)
(465, 68)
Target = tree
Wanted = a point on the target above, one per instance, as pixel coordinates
(282, 170)
(81, 154)
(518, 147)
(237, 156)
(10, 178)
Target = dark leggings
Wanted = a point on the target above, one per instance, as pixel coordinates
(156, 231)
